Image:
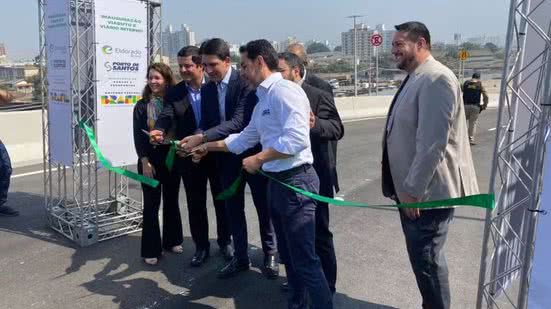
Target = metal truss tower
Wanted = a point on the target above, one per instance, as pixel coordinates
(517, 172)
(84, 202)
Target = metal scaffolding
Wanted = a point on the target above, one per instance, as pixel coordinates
(84, 202)
(522, 128)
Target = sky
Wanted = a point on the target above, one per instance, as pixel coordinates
(238, 21)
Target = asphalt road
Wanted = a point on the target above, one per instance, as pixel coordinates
(40, 269)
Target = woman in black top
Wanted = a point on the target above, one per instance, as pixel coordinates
(151, 163)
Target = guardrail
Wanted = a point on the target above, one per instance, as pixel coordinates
(18, 107)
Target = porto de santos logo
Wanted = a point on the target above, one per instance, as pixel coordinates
(122, 66)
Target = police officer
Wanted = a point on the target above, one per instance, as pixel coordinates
(472, 90)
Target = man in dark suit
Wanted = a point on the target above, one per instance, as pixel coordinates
(327, 126)
(182, 110)
(309, 77)
(227, 109)
(316, 82)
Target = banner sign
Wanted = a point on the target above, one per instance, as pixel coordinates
(540, 280)
(121, 67)
(58, 74)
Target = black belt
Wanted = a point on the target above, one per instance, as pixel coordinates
(286, 174)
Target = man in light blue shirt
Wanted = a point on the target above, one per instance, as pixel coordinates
(281, 123)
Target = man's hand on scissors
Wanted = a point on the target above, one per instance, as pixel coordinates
(190, 142)
(156, 137)
(199, 152)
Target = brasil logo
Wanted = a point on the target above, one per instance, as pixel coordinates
(119, 99)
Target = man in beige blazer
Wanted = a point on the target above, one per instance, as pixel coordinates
(426, 156)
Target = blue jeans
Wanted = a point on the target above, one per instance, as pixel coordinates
(5, 174)
(294, 221)
(425, 239)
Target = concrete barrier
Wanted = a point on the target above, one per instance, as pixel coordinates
(21, 132)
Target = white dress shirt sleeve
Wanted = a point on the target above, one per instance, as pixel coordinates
(293, 110)
(248, 138)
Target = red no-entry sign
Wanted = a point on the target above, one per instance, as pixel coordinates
(376, 40)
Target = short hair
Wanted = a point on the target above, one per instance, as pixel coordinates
(263, 48)
(299, 50)
(476, 75)
(415, 30)
(293, 61)
(215, 47)
(192, 51)
(242, 49)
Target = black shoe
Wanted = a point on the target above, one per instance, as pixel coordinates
(6, 211)
(271, 267)
(285, 286)
(226, 252)
(232, 269)
(200, 256)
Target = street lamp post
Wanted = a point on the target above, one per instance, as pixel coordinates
(355, 54)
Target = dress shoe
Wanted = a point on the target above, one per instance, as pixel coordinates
(285, 286)
(199, 257)
(227, 252)
(271, 267)
(6, 211)
(232, 269)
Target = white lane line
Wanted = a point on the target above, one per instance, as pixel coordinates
(492, 129)
(27, 174)
(342, 194)
(363, 119)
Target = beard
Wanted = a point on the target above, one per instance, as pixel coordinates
(406, 62)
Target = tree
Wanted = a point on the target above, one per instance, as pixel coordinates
(317, 48)
(38, 92)
(338, 48)
(470, 46)
(492, 47)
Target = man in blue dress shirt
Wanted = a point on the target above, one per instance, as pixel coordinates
(281, 123)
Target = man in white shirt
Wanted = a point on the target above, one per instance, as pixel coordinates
(281, 123)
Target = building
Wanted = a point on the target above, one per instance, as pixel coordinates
(457, 39)
(364, 46)
(285, 43)
(387, 35)
(11, 72)
(3, 54)
(174, 40)
(363, 35)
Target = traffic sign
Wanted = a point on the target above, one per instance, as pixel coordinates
(463, 55)
(376, 40)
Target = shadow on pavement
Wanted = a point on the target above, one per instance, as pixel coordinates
(130, 283)
(31, 221)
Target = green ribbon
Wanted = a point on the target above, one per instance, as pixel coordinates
(480, 200)
(231, 190)
(92, 138)
(169, 161)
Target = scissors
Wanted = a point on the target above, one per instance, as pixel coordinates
(165, 142)
(171, 142)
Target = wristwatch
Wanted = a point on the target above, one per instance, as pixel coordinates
(205, 139)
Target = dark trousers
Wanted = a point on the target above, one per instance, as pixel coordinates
(195, 177)
(235, 207)
(325, 247)
(5, 174)
(294, 220)
(168, 189)
(425, 239)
